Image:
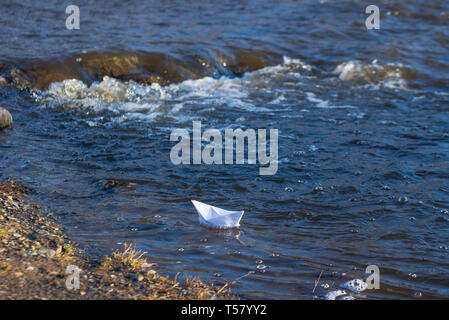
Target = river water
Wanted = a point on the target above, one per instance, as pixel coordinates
(363, 136)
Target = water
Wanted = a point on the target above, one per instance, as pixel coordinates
(363, 136)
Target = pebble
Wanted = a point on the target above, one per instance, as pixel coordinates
(45, 252)
(5, 118)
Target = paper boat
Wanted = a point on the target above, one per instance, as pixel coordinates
(217, 217)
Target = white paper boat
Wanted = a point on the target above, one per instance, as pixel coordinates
(217, 217)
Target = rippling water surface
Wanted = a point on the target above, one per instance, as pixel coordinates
(363, 136)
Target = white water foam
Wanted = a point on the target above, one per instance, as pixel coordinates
(388, 76)
(140, 102)
(355, 285)
(324, 104)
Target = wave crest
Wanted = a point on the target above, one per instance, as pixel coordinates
(390, 75)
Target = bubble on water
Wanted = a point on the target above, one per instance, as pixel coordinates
(385, 188)
(412, 275)
(299, 153)
(356, 115)
(402, 200)
(181, 249)
(259, 261)
(288, 189)
(412, 219)
(261, 267)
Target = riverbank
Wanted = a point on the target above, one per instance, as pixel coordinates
(35, 254)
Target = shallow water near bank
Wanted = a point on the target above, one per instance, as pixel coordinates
(363, 138)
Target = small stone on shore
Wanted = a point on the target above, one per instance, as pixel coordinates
(5, 118)
(45, 252)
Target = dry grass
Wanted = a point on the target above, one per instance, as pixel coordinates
(157, 286)
(317, 282)
(130, 257)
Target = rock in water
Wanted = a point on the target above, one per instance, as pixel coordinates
(5, 118)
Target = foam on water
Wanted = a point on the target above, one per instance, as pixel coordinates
(266, 90)
(389, 76)
(334, 295)
(324, 104)
(140, 102)
(355, 285)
